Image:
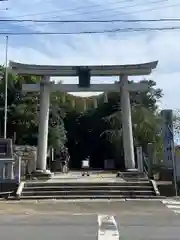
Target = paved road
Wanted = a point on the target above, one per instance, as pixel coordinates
(137, 220)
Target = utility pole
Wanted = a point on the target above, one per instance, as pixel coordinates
(173, 152)
(5, 90)
(6, 83)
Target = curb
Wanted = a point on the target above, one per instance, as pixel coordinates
(154, 184)
(19, 190)
(54, 201)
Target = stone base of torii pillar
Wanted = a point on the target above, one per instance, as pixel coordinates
(42, 174)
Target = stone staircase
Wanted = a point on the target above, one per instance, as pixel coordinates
(133, 176)
(106, 189)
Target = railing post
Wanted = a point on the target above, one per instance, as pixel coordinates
(150, 151)
(18, 170)
(10, 172)
(3, 171)
(139, 159)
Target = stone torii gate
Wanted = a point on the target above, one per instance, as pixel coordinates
(46, 87)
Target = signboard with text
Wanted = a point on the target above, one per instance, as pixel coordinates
(168, 136)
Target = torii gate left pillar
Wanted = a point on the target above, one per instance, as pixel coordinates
(41, 162)
(128, 143)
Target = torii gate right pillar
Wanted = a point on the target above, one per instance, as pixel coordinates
(128, 144)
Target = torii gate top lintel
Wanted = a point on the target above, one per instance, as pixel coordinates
(96, 70)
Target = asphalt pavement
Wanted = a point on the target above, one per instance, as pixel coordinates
(137, 220)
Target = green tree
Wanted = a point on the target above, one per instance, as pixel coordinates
(23, 113)
(102, 126)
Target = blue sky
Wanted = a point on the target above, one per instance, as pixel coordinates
(119, 48)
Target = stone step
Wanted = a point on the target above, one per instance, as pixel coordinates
(86, 192)
(76, 188)
(82, 197)
(142, 175)
(87, 189)
(86, 184)
(135, 177)
(132, 174)
(130, 179)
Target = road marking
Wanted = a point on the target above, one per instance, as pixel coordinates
(171, 202)
(174, 205)
(105, 218)
(107, 233)
(177, 211)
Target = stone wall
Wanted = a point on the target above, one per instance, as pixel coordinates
(28, 157)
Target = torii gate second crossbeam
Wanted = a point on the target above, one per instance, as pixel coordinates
(46, 86)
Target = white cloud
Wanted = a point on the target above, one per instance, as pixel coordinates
(101, 49)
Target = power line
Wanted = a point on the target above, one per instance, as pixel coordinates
(143, 11)
(117, 8)
(72, 9)
(91, 7)
(92, 21)
(95, 18)
(94, 6)
(114, 8)
(120, 8)
(122, 30)
(3, 9)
